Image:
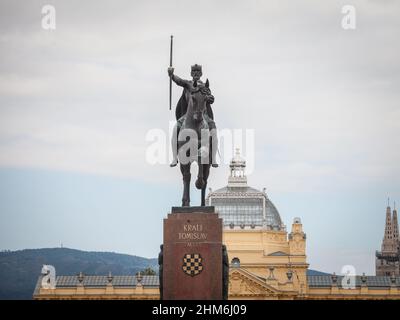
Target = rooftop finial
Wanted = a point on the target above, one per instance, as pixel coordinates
(388, 201)
(80, 277)
(237, 165)
(139, 277)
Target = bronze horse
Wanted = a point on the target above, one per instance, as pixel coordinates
(194, 142)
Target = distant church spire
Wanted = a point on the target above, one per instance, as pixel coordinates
(387, 243)
(395, 228)
(387, 260)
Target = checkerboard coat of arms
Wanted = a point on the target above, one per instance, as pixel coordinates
(192, 265)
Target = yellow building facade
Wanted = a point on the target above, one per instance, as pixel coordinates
(266, 262)
(265, 265)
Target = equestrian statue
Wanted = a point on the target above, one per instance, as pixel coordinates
(194, 137)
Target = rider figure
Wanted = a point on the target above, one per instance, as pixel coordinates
(181, 108)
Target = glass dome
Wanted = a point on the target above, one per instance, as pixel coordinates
(242, 206)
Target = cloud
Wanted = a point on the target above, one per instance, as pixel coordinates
(321, 100)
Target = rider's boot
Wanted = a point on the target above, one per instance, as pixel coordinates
(214, 145)
(174, 144)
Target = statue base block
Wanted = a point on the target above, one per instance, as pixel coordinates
(192, 254)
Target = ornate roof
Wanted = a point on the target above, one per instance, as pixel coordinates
(152, 281)
(369, 281)
(96, 281)
(102, 281)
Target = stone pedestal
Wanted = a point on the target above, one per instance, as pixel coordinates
(192, 254)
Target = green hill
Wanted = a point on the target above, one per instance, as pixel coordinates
(19, 270)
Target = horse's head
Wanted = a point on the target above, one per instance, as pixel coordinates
(199, 97)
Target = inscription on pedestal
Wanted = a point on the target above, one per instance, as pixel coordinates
(192, 232)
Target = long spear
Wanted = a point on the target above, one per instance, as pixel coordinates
(170, 79)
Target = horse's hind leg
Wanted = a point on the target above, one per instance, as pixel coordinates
(185, 169)
(206, 172)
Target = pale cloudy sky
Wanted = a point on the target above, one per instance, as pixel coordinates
(76, 104)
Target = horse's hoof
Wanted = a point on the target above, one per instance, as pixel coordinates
(173, 163)
(199, 183)
(185, 203)
(215, 165)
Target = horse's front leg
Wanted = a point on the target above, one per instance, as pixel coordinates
(203, 195)
(200, 181)
(185, 169)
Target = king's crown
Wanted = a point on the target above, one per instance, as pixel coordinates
(196, 67)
